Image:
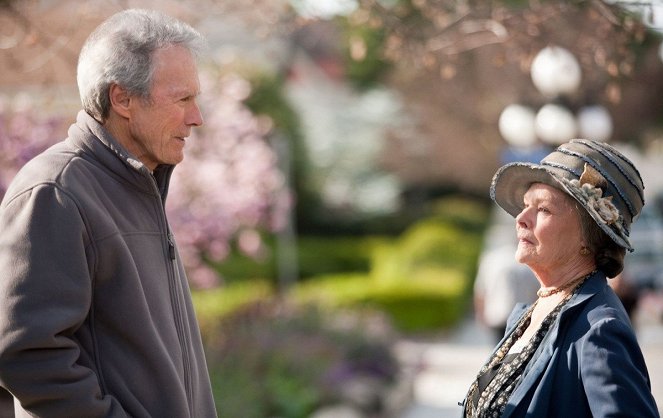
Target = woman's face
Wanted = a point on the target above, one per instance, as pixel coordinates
(548, 227)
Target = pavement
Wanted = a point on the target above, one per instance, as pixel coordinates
(441, 369)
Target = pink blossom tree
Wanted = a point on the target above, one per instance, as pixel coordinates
(24, 133)
(229, 187)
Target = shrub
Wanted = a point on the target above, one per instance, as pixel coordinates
(422, 279)
(467, 213)
(316, 255)
(430, 242)
(278, 361)
(213, 305)
(325, 255)
(431, 298)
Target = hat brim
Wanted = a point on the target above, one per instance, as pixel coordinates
(512, 181)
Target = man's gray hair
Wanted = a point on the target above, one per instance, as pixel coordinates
(120, 52)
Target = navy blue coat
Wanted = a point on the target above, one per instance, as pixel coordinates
(588, 365)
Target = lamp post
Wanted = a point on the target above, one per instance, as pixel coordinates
(555, 124)
(594, 122)
(555, 72)
(557, 75)
(516, 125)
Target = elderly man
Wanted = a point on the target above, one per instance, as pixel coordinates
(95, 312)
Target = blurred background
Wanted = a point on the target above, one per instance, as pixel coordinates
(333, 211)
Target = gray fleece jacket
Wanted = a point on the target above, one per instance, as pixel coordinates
(96, 317)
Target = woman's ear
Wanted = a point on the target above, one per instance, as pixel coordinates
(120, 100)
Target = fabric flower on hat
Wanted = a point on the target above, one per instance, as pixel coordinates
(589, 189)
(594, 197)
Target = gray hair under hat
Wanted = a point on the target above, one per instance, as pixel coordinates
(599, 177)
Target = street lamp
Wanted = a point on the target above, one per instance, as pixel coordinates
(555, 124)
(516, 125)
(556, 74)
(595, 122)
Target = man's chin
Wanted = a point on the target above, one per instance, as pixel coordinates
(174, 159)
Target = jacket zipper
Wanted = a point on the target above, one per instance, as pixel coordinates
(174, 284)
(180, 322)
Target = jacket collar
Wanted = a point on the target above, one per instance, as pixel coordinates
(592, 286)
(87, 133)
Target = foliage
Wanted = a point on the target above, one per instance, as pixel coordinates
(466, 213)
(345, 251)
(363, 46)
(316, 255)
(237, 266)
(213, 305)
(430, 298)
(230, 187)
(267, 99)
(422, 279)
(449, 238)
(287, 356)
(282, 362)
(24, 132)
(433, 260)
(319, 255)
(433, 35)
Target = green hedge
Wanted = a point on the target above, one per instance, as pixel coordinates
(422, 278)
(275, 354)
(432, 298)
(316, 255)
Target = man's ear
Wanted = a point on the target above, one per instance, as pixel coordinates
(120, 100)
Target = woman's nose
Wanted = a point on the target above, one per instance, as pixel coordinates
(521, 218)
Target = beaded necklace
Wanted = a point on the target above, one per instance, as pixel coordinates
(544, 293)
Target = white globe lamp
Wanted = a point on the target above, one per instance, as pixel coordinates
(555, 71)
(516, 125)
(555, 124)
(594, 122)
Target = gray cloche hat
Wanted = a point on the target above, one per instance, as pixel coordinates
(599, 177)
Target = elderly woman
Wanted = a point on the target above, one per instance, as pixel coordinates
(573, 352)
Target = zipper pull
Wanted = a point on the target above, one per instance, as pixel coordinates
(171, 247)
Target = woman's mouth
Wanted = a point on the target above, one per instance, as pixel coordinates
(524, 240)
